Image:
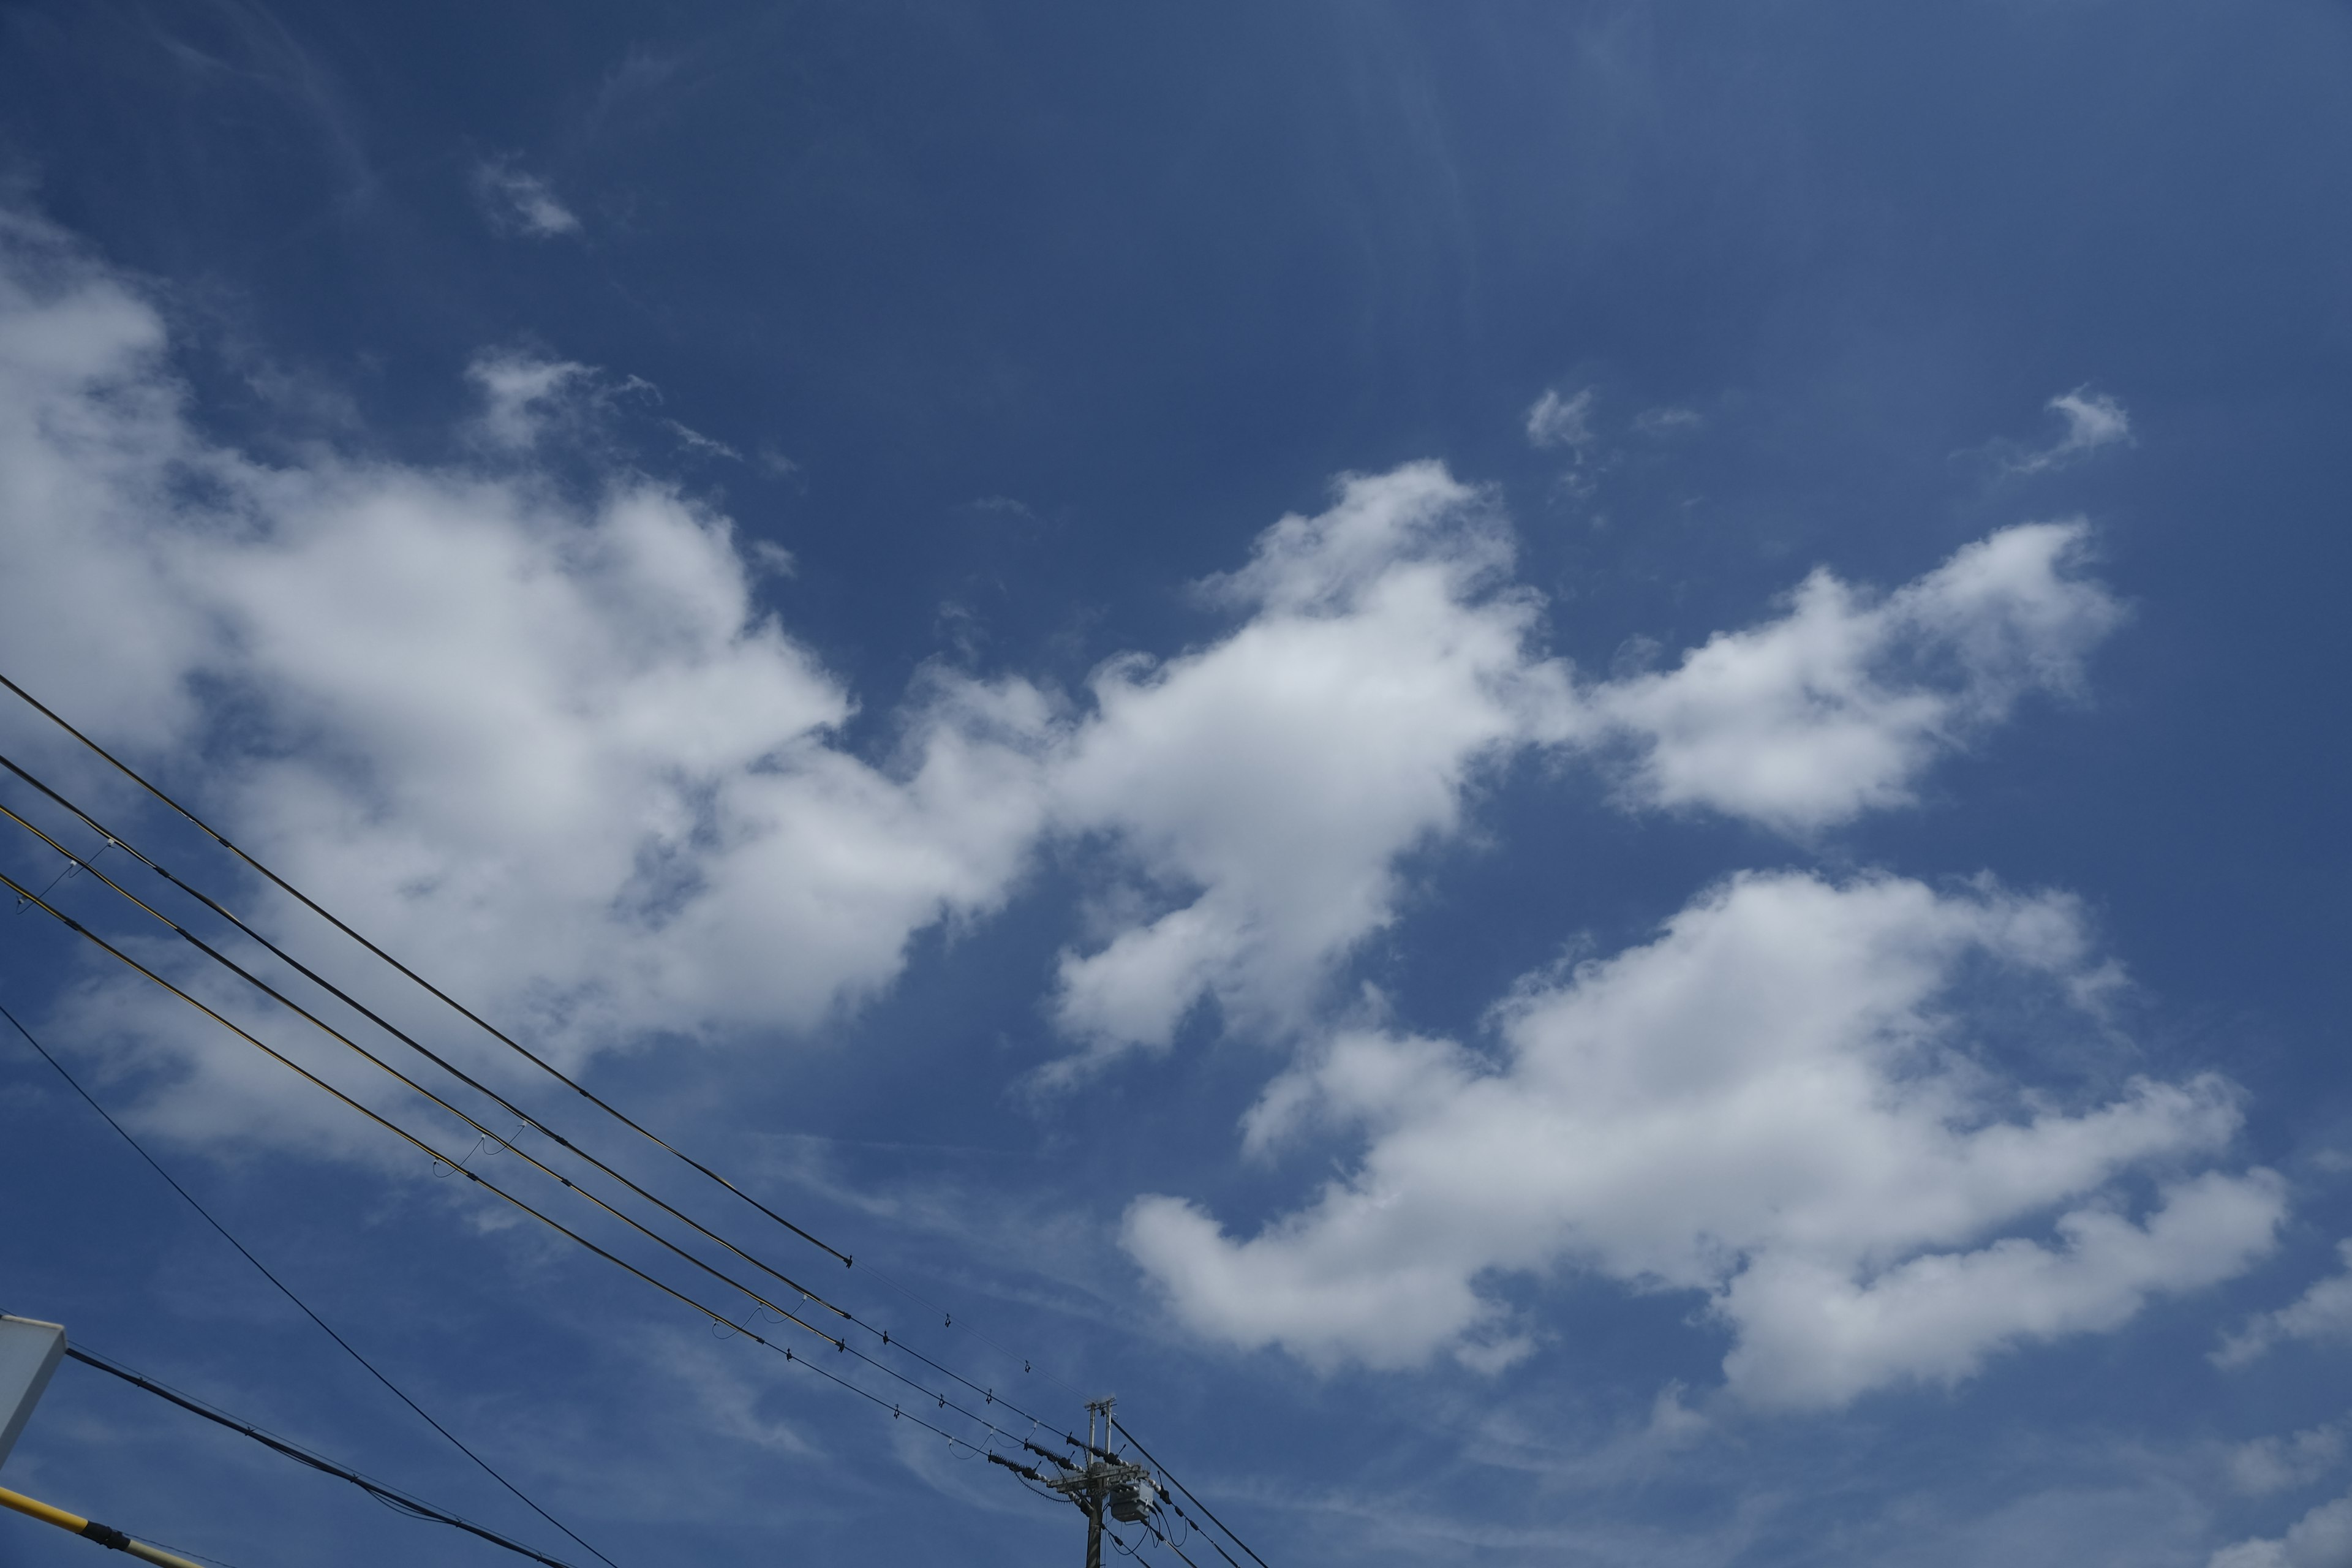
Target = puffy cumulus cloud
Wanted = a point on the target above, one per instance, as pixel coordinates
(522, 203)
(1270, 782)
(2322, 1313)
(2092, 420)
(553, 754)
(1266, 784)
(1779, 1103)
(1840, 705)
(468, 705)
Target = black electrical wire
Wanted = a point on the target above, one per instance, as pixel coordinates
(1192, 1529)
(279, 997)
(943, 1401)
(393, 1128)
(1181, 1487)
(401, 1501)
(716, 1317)
(461, 1009)
(472, 1017)
(75, 863)
(284, 1290)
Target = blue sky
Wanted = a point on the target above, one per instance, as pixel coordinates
(1568, 772)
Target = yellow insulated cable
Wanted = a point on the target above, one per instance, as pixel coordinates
(104, 1534)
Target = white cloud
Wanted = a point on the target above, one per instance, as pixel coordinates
(1779, 1103)
(1557, 421)
(1268, 784)
(475, 706)
(695, 441)
(2092, 420)
(2269, 1465)
(2322, 1313)
(1841, 704)
(553, 755)
(1264, 788)
(2320, 1539)
(1667, 420)
(524, 396)
(522, 203)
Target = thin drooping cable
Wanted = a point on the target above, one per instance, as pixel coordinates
(269, 991)
(401, 1501)
(943, 1402)
(1195, 1529)
(283, 1290)
(1164, 1539)
(393, 1128)
(460, 1008)
(276, 996)
(715, 1316)
(112, 840)
(1181, 1487)
(998, 1345)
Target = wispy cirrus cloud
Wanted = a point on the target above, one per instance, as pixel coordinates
(1553, 421)
(2092, 420)
(518, 202)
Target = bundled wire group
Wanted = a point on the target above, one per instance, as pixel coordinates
(751, 1288)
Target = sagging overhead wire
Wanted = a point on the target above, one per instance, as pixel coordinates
(76, 864)
(896, 1410)
(331, 989)
(992, 1397)
(387, 1124)
(1181, 1487)
(402, 1501)
(286, 1291)
(112, 840)
(460, 1008)
(276, 996)
(930, 1395)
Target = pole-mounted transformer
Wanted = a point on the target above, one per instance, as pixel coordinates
(1105, 1481)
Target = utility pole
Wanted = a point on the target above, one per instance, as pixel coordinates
(1104, 1482)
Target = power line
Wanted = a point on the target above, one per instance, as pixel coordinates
(395, 1129)
(717, 1317)
(114, 841)
(943, 1401)
(1181, 1487)
(400, 1500)
(332, 1032)
(331, 989)
(465, 1011)
(287, 1291)
(527, 1054)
